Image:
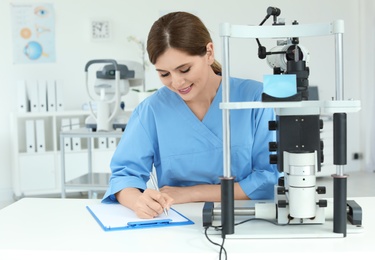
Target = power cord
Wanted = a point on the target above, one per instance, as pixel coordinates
(218, 228)
(222, 249)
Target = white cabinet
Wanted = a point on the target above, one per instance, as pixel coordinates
(37, 170)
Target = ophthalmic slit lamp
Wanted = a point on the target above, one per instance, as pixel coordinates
(298, 149)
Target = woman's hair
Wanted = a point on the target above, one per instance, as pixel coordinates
(182, 31)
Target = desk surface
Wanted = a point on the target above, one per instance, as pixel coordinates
(64, 229)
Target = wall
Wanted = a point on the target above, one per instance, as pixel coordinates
(74, 48)
(367, 78)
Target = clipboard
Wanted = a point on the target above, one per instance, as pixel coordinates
(113, 217)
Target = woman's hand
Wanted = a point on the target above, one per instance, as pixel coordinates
(147, 204)
(179, 194)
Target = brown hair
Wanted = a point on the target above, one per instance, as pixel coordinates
(182, 31)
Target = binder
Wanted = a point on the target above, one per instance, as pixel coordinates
(30, 136)
(42, 95)
(112, 217)
(102, 143)
(76, 141)
(65, 126)
(40, 136)
(51, 96)
(22, 102)
(32, 90)
(59, 95)
(112, 142)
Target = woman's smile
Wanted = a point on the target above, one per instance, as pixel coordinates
(186, 90)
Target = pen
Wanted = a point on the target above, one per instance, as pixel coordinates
(154, 182)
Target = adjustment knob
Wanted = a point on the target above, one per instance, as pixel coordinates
(322, 203)
(282, 203)
(272, 125)
(273, 159)
(280, 190)
(321, 190)
(272, 146)
(321, 124)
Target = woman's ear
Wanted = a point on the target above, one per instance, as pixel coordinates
(210, 53)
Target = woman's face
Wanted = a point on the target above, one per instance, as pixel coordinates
(184, 74)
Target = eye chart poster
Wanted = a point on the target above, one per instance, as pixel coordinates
(33, 33)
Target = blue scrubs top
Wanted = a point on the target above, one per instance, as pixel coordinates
(185, 151)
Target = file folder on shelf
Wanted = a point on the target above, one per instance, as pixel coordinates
(30, 136)
(59, 95)
(113, 217)
(32, 90)
(102, 143)
(51, 96)
(76, 141)
(22, 101)
(40, 136)
(42, 95)
(65, 126)
(112, 142)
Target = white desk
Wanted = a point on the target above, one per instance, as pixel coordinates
(35, 228)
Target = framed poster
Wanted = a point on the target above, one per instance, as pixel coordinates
(33, 33)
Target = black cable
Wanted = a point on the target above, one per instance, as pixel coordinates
(265, 19)
(222, 249)
(274, 11)
(218, 228)
(260, 47)
(261, 219)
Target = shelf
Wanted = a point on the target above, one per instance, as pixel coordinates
(39, 173)
(56, 113)
(26, 154)
(87, 133)
(87, 182)
(326, 107)
(94, 177)
(285, 31)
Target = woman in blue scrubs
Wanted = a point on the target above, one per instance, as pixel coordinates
(178, 130)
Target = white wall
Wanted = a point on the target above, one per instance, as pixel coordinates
(74, 48)
(367, 78)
